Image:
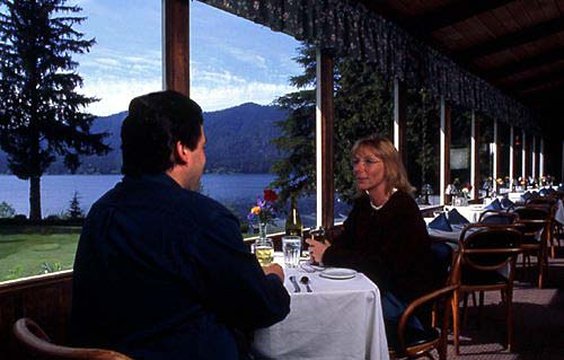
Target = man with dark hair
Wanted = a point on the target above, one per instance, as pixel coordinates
(161, 271)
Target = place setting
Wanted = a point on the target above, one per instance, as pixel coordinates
(302, 274)
(319, 296)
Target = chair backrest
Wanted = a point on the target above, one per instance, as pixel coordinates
(541, 201)
(532, 213)
(438, 299)
(35, 341)
(496, 217)
(489, 247)
(534, 220)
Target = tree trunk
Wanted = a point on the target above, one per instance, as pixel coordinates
(35, 198)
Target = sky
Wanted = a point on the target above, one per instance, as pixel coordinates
(233, 61)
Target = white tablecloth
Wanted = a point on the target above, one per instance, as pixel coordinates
(516, 196)
(340, 319)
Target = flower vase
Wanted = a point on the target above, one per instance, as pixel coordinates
(264, 248)
(263, 228)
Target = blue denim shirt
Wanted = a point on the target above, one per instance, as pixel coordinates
(162, 273)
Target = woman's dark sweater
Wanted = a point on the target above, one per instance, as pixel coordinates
(390, 246)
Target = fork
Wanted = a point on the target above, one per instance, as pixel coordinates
(295, 283)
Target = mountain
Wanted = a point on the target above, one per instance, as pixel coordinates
(239, 139)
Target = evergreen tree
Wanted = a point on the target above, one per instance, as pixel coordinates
(296, 171)
(362, 107)
(40, 110)
(74, 211)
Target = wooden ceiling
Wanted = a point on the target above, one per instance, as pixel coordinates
(516, 45)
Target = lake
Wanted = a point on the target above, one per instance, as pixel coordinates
(237, 191)
(57, 190)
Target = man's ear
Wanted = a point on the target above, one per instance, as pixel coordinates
(182, 153)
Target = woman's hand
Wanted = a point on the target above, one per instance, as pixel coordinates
(316, 249)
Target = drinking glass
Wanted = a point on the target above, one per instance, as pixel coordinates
(291, 247)
(264, 251)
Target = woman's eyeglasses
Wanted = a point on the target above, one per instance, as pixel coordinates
(365, 162)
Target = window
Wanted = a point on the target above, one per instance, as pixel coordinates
(503, 156)
(485, 155)
(423, 144)
(125, 62)
(238, 70)
(460, 146)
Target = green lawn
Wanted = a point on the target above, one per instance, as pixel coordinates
(25, 251)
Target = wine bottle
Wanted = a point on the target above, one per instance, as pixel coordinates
(294, 225)
(293, 221)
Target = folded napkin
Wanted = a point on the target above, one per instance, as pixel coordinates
(440, 223)
(455, 218)
(494, 205)
(506, 203)
(526, 196)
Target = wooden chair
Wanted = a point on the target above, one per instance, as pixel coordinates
(497, 217)
(409, 342)
(546, 200)
(36, 342)
(484, 251)
(537, 234)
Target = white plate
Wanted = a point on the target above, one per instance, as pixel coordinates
(338, 273)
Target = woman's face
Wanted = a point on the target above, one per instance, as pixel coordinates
(369, 170)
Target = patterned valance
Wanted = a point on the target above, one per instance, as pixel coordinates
(349, 29)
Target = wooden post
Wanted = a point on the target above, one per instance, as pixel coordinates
(511, 156)
(541, 158)
(475, 158)
(400, 119)
(562, 164)
(324, 140)
(176, 46)
(524, 156)
(534, 158)
(495, 150)
(445, 138)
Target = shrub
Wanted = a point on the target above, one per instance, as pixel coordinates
(51, 267)
(6, 210)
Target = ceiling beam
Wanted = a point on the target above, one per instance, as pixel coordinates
(535, 81)
(514, 39)
(453, 13)
(539, 59)
(553, 87)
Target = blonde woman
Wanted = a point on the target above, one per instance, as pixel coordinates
(385, 236)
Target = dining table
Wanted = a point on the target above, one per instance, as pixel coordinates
(336, 318)
(470, 212)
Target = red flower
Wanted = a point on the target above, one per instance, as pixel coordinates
(270, 195)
